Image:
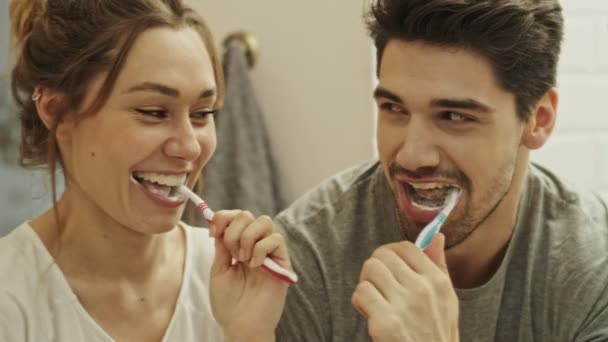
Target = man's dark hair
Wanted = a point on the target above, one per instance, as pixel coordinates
(520, 38)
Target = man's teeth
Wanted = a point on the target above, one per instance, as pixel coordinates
(168, 180)
(428, 195)
(426, 207)
(429, 186)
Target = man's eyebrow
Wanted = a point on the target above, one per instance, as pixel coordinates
(465, 103)
(462, 104)
(385, 93)
(166, 90)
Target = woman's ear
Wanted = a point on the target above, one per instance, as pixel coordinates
(48, 106)
(542, 121)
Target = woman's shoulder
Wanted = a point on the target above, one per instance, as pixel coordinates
(198, 234)
(12, 319)
(200, 246)
(23, 261)
(19, 251)
(200, 252)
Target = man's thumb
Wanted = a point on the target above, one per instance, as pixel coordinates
(436, 251)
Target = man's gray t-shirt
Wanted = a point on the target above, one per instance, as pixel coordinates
(552, 284)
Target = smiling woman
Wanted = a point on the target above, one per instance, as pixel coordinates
(129, 123)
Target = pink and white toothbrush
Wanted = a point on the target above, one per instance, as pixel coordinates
(269, 264)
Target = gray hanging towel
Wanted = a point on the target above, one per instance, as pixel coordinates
(242, 174)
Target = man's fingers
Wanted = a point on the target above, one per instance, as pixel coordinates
(378, 274)
(436, 252)
(414, 257)
(368, 300)
(401, 271)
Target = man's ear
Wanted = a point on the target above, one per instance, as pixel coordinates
(542, 121)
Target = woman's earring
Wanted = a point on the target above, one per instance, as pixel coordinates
(36, 94)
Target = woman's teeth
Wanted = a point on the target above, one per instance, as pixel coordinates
(169, 180)
(163, 185)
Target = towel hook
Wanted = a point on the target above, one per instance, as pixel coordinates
(249, 43)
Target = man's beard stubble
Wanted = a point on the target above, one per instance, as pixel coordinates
(457, 230)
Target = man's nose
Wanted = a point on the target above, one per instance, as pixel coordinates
(419, 148)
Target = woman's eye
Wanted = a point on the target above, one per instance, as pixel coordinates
(202, 115)
(154, 113)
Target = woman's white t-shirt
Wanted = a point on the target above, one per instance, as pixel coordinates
(38, 305)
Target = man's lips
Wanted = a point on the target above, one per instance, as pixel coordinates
(426, 180)
(413, 212)
(421, 212)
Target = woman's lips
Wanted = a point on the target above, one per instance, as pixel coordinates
(161, 200)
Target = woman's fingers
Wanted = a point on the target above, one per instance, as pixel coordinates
(222, 260)
(272, 246)
(231, 225)
(221, 220)
(254, 233)
(247, 237)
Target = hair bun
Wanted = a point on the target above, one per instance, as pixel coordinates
(23, 15)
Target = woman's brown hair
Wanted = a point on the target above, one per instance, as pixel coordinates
(63, 44)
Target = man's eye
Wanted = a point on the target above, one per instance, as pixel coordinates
(390, 107)
(454, 117)
(154, 113)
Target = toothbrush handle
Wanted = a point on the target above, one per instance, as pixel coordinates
(269, 264)
(280, 272)
(206, 211)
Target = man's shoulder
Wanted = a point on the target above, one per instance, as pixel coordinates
(567, 204)
(342, 191)
(571, 253)
(572, 241)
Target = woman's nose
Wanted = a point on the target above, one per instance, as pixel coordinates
(184, 142)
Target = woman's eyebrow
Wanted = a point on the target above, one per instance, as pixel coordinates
(166, 90)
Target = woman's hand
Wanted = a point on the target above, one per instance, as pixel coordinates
(247, 300)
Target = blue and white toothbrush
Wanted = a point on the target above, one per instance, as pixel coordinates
(431, 229)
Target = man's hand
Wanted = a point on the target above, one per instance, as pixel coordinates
(247, 300)
(406, 294)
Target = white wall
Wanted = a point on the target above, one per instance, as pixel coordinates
(579, 147)
(313, 80)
